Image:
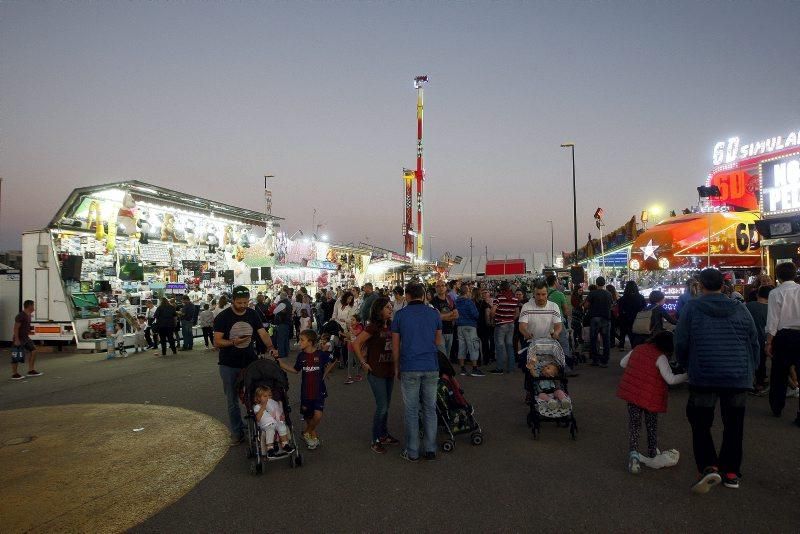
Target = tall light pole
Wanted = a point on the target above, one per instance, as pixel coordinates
(574, 199)
(552, 246)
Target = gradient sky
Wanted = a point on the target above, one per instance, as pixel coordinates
(208, 97)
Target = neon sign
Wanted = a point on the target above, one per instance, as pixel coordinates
(780, 185)
(731, 150)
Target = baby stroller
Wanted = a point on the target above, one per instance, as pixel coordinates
(266, 372)
(455, 415)
(547, 351)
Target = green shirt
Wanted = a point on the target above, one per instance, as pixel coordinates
(554, 295)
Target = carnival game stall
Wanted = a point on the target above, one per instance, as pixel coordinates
(110, 247)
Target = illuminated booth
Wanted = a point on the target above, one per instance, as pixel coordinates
(780, 208)
(110, 247)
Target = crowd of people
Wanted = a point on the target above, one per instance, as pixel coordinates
(718, 341)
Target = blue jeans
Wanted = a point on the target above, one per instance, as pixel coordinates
(563, 340)
(229, 376)
(504, 347)
(447, 345)
(187, 333)
(284, 333)
(382, 390)
(602, 326)
(468, 342)
(416, 386)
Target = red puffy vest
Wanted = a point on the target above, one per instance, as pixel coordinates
(642, 383)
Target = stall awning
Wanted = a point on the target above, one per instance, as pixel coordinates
(505, 267)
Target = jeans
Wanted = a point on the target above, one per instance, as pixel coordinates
(563, 340)
(504, 347)
(785, 353)
(447, 345)
(468, 342)
(602, 326)
(229, 376)
(284, 333)
(382, 391)
(487, 343)
(700, 412)
(419, 386)
(188, 334)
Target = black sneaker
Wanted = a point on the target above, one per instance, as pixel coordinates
(730, 480)
(604, 365)
(288, 448)
(463, 371)
(430, 456)
(404, 455)
(476, 372)
(496, 371)
(271, 453)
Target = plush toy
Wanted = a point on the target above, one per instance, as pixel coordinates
(95, 217)
(143, 223)
(212, 239)
(227, 236)
(244, 239)
(168, 227)
(126, 216)
(188, 233)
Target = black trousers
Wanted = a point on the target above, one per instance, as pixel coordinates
(785, 353)
(208, 335)
(167, 334)
(486, 335)
(700, 411)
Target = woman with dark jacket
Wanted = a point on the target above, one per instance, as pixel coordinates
(658, 313)
(165, 318)
(630, 303)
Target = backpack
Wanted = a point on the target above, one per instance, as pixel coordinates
(641, 324)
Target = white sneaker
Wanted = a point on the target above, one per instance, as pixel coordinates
(792, 392)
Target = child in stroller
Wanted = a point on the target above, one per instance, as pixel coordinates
(271, 421)
(547, 386)
(456, 416)
(255, 379)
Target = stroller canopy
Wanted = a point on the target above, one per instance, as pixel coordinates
(264, 373)
(547, 350)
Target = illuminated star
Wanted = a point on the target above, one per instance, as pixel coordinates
(649, 250)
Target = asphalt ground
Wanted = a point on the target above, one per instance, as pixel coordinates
(510, 483)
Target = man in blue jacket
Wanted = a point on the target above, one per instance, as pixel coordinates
(717, 341)
(467, 324)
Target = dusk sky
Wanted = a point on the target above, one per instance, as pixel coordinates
(207, 97)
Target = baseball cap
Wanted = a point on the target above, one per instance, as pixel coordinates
(241, 291)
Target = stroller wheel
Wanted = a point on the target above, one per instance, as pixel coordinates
(477, 438)
(573, 430)
(298, 461)
(448, 445)
(249, 453)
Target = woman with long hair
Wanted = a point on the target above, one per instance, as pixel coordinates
(343, 314)
(373, 348)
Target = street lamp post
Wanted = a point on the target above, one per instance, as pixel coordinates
(574, 199)
(552, 246)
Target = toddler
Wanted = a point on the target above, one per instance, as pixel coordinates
(270, 418)
(138, 337)
(546, 390)
(644, 387)
(354, 328)
(119, 340)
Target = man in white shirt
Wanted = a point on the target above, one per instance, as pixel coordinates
(540, 318)
(783, 335)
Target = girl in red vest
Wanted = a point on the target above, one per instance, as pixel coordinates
(644, 387)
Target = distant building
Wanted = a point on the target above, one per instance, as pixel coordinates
(12, 258)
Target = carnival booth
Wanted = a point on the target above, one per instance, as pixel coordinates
(111, 247)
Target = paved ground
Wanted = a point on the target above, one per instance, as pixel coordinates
(510, 483)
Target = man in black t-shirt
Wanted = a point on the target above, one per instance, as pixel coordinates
(599, 304)
(234, 328)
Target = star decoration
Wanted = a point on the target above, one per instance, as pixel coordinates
(649, 250)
